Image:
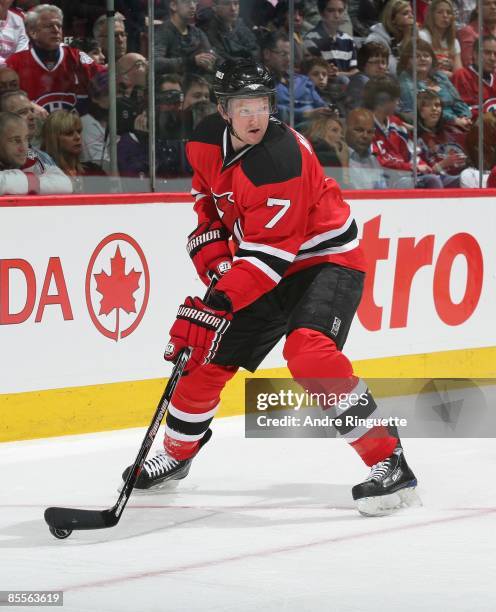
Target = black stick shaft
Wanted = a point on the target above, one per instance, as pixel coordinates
(73, 518)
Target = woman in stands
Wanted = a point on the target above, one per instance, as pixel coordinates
(455, 111)
(471, 176)
(394, 31)
(326, 134)
(61, 139)
(440, 146)
(440, 33)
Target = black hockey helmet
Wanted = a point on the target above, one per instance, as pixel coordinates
(244, 78)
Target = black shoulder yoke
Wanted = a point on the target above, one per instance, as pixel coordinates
(210, 130)
(276, 159)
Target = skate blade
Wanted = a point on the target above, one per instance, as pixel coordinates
(162, 487)
(383, 505)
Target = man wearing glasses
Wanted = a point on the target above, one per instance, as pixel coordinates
(52, 74)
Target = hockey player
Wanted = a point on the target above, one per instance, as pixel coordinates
(298, 272)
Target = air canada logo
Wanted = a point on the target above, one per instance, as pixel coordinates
(117, 286)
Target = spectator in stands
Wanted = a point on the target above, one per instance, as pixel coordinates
(197, 103)
(228, 34)
(275, 55)
(79, 16)
(470, 32)
(364, 14)
(365, 172)
(455, 110)
(62, 140)
(441, 147)
(390, 145)
(180, 46)
(471, 176)
(134, 12)
(92, 48)
(329, 85)
(95, 145)
(120, 35)
(13, 36)
(326, 135)
(466, 80)
(196, 90)
(170, 94)
(372, 61)
(169, 104)
(367, 12)
(17, 102)
(491, 180)
(394, 30)
(328, 41)
(53, 75)
(9, 79)
(300, 27)
(440, 32)
(132, 71)
(13, 157)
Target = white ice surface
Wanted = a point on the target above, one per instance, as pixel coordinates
(257, 525)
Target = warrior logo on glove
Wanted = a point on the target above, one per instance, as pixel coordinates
(209, 249)
(199, 327)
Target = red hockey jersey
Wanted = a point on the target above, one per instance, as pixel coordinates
(390, 144)
(466, 80)
(283, 213)
(60, 87)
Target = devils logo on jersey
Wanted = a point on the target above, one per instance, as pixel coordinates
(223, 202)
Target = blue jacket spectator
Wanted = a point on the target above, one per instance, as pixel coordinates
(306, 98)
(455, 111)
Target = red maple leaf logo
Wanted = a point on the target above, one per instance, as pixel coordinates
(117, 288)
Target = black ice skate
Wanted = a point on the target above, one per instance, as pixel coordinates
(389, 487)
(163, 468)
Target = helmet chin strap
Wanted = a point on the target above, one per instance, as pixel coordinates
(232, 131)
(230, 127)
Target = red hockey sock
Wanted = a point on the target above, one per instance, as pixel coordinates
(179, 449)
(319, 366)
(376, 445)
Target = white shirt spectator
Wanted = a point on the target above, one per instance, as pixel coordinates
(13, 36)
(39, 175)
(95, 142)
(469, 178)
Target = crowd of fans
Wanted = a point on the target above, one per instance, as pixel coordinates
(353, 89)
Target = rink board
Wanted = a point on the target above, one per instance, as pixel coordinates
(89, 287)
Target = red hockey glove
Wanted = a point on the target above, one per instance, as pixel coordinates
(199, 327)
(208, 248)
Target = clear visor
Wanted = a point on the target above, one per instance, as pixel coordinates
(249, 107)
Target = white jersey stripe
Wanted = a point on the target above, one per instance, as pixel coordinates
(327, 235)
(349, 246)
(175, 435)
(191, 418)
(265, 248)
(262, 267)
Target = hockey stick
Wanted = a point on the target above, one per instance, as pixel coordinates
(62, 521)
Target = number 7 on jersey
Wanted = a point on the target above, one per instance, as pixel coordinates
(284, 204)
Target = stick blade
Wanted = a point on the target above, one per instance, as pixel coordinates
(73, 518)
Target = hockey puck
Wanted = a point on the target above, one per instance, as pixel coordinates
(60, 534)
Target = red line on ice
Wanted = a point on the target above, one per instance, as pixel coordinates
(270, 551)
